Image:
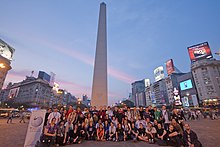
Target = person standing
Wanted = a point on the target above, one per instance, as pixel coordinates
(165, 117)
(54, 114)
(22, 116)
(10, 116)
(49, 110)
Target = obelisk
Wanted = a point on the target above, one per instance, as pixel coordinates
(100, 84)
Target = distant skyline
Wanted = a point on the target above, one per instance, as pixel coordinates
(60, 37)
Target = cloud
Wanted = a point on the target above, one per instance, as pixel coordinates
(120, 75)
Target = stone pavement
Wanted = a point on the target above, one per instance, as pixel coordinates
(13, 135)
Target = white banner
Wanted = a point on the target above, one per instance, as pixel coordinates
(194, 99)
(35, 128)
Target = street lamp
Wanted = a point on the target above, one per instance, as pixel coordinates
(2, 65)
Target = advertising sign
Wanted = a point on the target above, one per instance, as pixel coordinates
(159, 73)
(185, 101)
(199, 51)
(35, 128)
(147, 82)
(5, 50)
(186, 85)
(170, 67)
(195, 101)
(176, 97)
(13, 92)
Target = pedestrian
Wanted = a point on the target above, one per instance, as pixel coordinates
(22, 116)
(10, 116)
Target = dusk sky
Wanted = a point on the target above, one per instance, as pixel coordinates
(60, 36)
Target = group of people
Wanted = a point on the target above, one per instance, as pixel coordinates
(151, 125)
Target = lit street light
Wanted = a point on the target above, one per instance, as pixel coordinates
(2, 65)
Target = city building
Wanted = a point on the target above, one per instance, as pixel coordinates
(187, 90)
(149, 94)
(32, 91)
(138, 93)
(44, 76)
(159, 92)
(6, 54)
(100, 86)
(171, 83)
(206, 74)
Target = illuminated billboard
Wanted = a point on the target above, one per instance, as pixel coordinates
(186, 85)
(6, 51)
(159, 73)
(199, 51)
(170, 67)
(147, 82)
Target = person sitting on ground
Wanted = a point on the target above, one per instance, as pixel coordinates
(120, 133)
(112, 132)
(173, 138)
(190, 138)
(50, 132)
(134, 132)
(151, 132)
(91, 131)
(161, 135)
(100, 133)
(142, 133)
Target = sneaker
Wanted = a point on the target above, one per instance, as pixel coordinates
(150, 141)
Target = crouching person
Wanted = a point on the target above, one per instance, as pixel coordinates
(60, 134)
(91, 131)
(112, 132)
(120, 133)
(76, 135)
(151, 132)
(100, 133)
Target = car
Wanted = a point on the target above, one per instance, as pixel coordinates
(4, 114)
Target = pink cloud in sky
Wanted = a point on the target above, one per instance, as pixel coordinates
(71, 87)
(124, 77)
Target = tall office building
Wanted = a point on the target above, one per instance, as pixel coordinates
(138, 93)
(6, 53)
(206, 74)
(99, 87)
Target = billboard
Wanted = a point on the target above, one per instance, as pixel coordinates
(147, 82)
(6, 51)
(199, 51)
(186, 85)
(158, 73)
(13, 92)
(170, 67)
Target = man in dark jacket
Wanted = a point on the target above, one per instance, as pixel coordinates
(190, 138)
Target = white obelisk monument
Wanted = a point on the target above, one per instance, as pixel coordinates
(100, 84)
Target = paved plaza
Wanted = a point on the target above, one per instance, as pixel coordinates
(13, 135)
